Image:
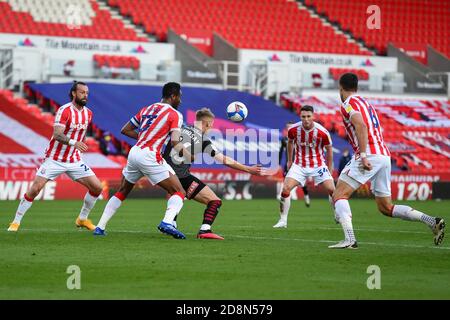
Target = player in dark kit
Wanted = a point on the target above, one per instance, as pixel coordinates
(194, 140)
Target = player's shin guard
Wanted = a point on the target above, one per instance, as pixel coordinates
(89, 202)
(410, 214)
(210, 214)
(285, 204)
(344, 216)
(174, 205)
(111, 207)
(24, 205)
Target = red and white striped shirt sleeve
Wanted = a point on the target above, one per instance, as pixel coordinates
(136, 120)
(62, 117)
(326, 139)
(292, 133)
(350, 109)
(175, 121)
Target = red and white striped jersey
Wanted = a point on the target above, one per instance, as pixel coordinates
(375, 144)
(75, 123)
(309, 144)
(154, 123)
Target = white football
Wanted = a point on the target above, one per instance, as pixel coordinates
(237, 111)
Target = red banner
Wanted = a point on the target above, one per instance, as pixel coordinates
(200, 39)
(415, 51)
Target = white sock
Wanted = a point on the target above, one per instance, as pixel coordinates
(205, 227)
(410, 214)
(174, 205)
(285, 204)
(111, 207)
(88, 204)
(24, 205)
(344, 215)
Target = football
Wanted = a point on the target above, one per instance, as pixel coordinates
(237, 111)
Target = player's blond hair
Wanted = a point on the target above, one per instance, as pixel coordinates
(204, 113)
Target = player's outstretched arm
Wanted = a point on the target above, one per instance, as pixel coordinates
(129, 130)
(58, 135)
(256, 170)
(179, 147)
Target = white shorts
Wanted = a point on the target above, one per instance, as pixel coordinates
(379, 176)
(143, 162)
(320, 174)
(51, 169)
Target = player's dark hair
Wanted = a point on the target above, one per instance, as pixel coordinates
(307, 108)
(171, 88)
(349, 82)
(74, 87)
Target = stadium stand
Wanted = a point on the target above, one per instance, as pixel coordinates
(397, 18)
(25, 129)
(416, 131)
(336, 73)
(57, 18)
(116, 66)
(111, 61)
(272, 24)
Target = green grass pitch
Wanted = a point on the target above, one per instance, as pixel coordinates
(136, 261)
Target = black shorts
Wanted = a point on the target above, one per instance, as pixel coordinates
(192, 185)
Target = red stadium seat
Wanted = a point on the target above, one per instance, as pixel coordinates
(430, 20)
(103, 25)
(275, 24)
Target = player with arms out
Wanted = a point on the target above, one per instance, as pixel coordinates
(195, 140)
(63, 155)
(152, 127)
(371, 162)
(309, 139)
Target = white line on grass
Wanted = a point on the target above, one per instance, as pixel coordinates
(338, 228)
(269, 238)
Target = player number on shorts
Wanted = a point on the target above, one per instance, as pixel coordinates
(85, 167)
(322, 171)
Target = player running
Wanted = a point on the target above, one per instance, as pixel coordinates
(310, 139)
(371, 162)
(195, 140)
(152, 126)
(63, 155)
